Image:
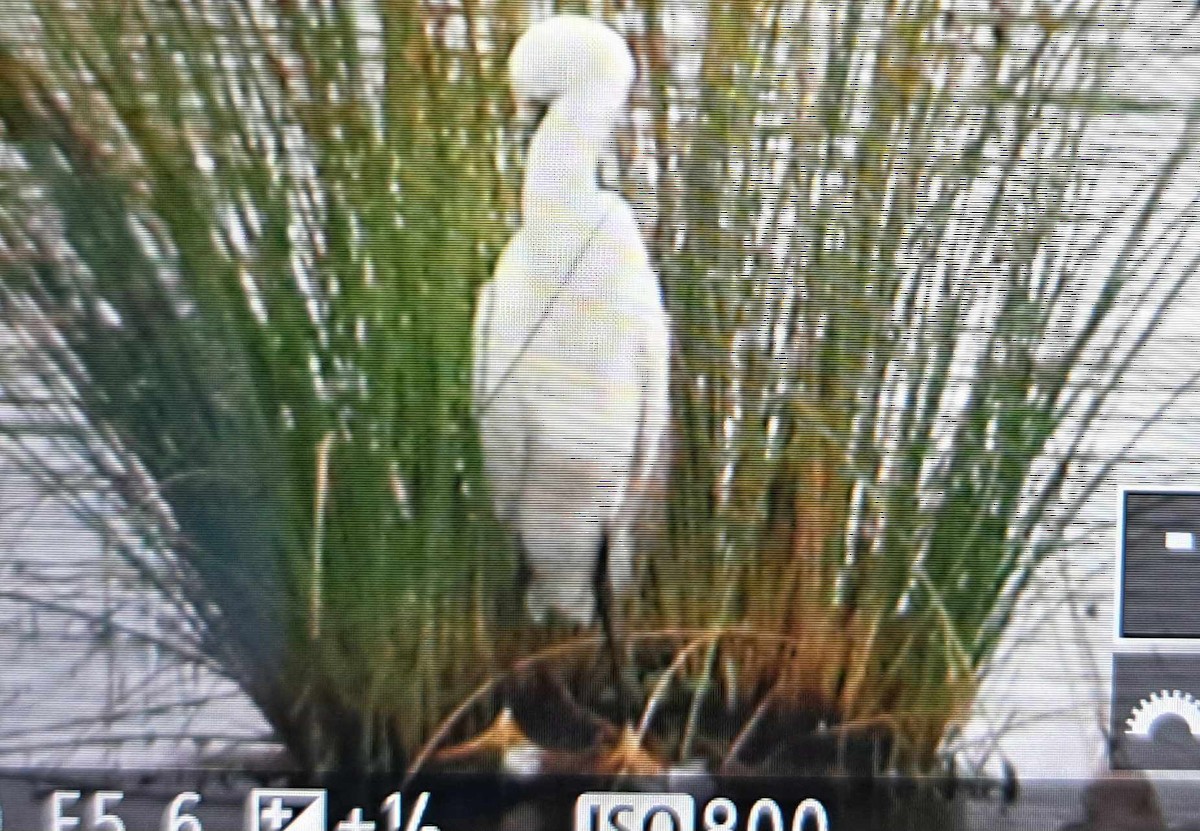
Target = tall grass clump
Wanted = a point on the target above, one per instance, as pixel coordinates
(901, 299)
(241, 242)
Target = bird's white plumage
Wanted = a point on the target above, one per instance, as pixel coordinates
(565, 56)
(571, 339)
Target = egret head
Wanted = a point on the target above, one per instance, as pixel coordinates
(570, 55)
(578, 73)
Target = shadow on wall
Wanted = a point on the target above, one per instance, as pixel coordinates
(1123, 801)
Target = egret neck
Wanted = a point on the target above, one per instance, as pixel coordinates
(562, 201)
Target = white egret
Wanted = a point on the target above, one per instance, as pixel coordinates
(571, 339)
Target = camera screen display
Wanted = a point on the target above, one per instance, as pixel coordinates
(607, 415)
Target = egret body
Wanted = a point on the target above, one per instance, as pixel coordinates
(571, 339)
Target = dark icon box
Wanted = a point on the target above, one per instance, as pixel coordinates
(1155, 712)
(1159, 590)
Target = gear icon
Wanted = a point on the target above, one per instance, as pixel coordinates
(1160, 704)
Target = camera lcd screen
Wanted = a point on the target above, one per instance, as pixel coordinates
(598, 415)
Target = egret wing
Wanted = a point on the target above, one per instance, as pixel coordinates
(503, 428)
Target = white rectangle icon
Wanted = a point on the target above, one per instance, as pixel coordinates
(1179, 541)
(604, 811)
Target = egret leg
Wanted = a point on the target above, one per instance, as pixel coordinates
(522, 581)
(604, 586)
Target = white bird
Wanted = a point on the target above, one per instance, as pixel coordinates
(571, 338)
